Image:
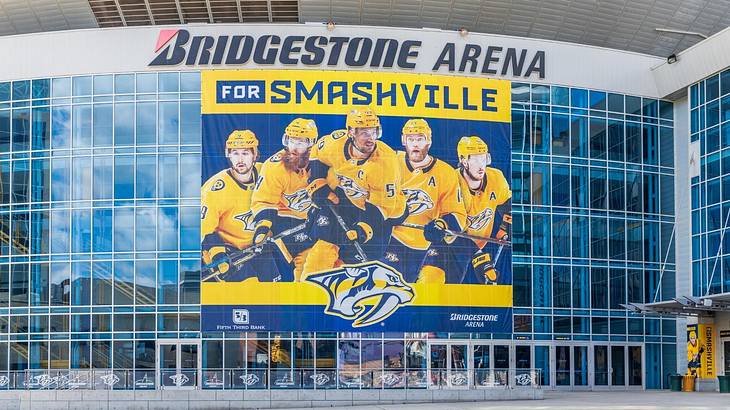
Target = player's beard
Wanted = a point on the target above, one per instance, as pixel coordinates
(366, 151)
(471, 175)
(295, 162)
(241, 169)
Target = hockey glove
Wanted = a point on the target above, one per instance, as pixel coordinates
(361, 232)
(505, 227)
(435, 231)
(261, 231)
(219, 260)
(484, 268)
(321, 193)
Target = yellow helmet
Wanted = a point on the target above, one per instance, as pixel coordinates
(472, 146)
(300, 128)
(363, 118)
(241, 139)
(416, 126)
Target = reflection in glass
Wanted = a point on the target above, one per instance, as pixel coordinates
(61, 127)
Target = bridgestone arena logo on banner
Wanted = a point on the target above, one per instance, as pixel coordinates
(239, 50)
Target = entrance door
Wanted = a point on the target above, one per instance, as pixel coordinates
(448, 365)
(618, 367)
(571, 367)
(179, 364)
(600, 366)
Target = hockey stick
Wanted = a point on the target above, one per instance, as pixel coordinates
(343, 225)
(238, 258)
(463, 235)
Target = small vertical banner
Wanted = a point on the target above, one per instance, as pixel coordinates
(701, 350)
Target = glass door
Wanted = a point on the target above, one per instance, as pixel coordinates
(571, 367)
(580, 366)
(448, 365)
(179, 364)
(726, 356)
(483, 368)
(562, 366)
(618, 366)
(600, 366)
(635, 363)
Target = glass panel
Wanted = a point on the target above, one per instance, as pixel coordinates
(188, 356)
(542, 362)
(349, 364)
(635, 366)
(501, 357)
(123, 124)
(600, 364)
(523, 358)
(168, 121)
(82, 128)
(580, 365)
(562, 365)
(618, 368)
(167, 281)
(257, 354)
(103, 124)
(146, 123)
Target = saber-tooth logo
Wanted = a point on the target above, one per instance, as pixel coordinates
(366, 293)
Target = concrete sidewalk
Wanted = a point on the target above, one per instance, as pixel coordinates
(630, 400)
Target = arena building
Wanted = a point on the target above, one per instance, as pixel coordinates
(620, 128)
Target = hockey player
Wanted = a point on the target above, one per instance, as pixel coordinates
(226, 218)
(356, 174)
(280, 200)
(485, 192)
(434, 200)
(694, 354)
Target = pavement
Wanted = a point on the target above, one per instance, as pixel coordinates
(629, 400)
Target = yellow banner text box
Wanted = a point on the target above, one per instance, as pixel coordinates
(305, 92)
(251, 292)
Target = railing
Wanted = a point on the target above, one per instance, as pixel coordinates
(252, 379)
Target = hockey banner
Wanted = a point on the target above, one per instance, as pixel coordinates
(355, 201)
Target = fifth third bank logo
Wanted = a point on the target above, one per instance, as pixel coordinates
(240, 316)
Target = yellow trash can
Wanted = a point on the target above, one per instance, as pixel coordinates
(688, 383)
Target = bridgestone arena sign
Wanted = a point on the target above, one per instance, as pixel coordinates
(373, 53)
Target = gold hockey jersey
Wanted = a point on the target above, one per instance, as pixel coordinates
(280, 189)
(226, 208)
(481, 204)
(375, 180)
(431, 192)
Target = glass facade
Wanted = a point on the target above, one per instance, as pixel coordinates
(99, 242)
(710, 194)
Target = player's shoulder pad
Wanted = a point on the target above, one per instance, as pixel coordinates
(445, 170)
(331, 140)
(384, 150)
(274, 159)
(495, 173)
(217, 182)
(337, 134)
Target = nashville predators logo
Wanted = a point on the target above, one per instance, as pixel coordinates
(351, 188)
(418, 201)
(298, 201)
(481, 220)
(366, 293)
(247, 220)
(218, 185)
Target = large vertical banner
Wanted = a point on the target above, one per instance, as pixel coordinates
(701, 350)
(369, 201)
